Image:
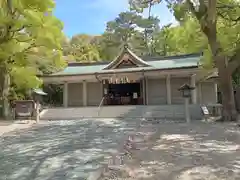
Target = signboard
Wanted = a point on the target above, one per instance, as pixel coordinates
(205, 110)
(24, 109)
(135, 95)
(105, 91)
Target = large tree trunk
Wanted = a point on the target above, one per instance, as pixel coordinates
(5, 85)
(226, 88)
(207, 17)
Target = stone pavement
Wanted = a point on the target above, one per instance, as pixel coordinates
(123, 149)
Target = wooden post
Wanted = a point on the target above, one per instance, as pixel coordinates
(169, 93)
(187, 114)
(65, 95)
(37, 111)
(194, 91)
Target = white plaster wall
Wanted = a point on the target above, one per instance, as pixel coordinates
(208, 93)
(156, 91)
(75, 94)
(94, 93)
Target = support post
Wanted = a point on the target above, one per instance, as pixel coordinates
(194, 91)
(84, 93)
(65, 95)
(216, 92)
(37, 111)
(187, 114)
(146, 89)
(169, 93)
(200, 92)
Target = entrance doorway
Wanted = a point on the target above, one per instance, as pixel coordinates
(124, 94)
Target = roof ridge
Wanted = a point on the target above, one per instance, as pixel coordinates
(157, 58)
(151, 58)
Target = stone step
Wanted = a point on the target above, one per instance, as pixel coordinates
(161, 112)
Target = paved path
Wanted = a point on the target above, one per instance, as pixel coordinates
(184, 152)
(61, 149)
(70, 150)
(8, 126)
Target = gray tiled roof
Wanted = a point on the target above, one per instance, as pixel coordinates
(156, 63)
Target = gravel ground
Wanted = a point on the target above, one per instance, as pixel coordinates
(176, 151)
(8, 126)
(71, 150)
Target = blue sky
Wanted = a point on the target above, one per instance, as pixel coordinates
(91, 16)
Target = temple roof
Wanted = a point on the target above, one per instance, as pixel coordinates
(127, 61)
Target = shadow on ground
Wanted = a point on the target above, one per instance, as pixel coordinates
(61, 150)
(70, 150)
(185, 152)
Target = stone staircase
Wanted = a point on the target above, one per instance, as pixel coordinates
(166, 112)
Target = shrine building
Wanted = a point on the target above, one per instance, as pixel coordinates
(133, 80)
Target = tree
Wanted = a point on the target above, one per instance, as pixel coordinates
(150, 24)
(30, 36)
(213, 16)
(129, 27)
(163, 43)
(81, 48)
(211, 20)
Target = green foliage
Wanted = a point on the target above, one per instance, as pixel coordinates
(30, 40)
(131, 28)
(81, 48)
(140, 5)
(124, 26)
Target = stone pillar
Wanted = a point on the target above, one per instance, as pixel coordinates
(194, 92)
(169, 92)
(65, 95)
(84, 93)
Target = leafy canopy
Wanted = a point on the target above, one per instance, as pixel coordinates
(30, 36)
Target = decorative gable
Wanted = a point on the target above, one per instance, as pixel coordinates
(125, 62)
(126, 59)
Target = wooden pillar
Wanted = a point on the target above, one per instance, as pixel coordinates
(216, 92)
(194, 92)
(169, 92)
(200, 92)
(146, 89)
(84, 93)
(65, 95)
